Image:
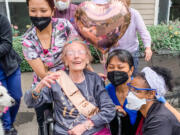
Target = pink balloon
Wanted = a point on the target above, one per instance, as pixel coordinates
(102, 24)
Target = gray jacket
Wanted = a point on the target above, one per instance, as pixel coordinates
(66, 115)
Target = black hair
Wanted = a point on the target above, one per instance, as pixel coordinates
(50, 3)
(123, 56)
(164, 72)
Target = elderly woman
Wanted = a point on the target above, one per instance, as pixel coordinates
(81, 103)
(145, 89)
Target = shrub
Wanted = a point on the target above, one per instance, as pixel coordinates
(163, 37)
(18, 48)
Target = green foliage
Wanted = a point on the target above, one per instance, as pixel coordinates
(95, 54)
(18, 48)
(164, 37)
(15, 30)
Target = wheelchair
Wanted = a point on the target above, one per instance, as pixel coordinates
(48, 124)
(116, 124)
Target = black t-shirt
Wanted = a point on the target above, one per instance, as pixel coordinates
(160, 121)
(126, 127)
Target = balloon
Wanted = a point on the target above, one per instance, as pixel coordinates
(102, 24)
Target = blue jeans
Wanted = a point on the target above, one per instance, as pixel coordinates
(13, 85)
(136, 61)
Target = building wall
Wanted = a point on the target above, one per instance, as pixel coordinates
(2, 8)
(147, 9)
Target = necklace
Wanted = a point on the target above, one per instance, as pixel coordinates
(47, 44)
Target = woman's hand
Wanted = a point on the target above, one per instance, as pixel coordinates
(47, 81)
(103, 76)
(77, 130)
(121, 110)
(148, 53)
(81, 128)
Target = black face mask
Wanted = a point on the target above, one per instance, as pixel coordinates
(117, 77)
(40, 22)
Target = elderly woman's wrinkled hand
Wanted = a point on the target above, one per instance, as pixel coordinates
(48, 80)
(77, 130)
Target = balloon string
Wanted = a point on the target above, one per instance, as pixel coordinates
(102, 60)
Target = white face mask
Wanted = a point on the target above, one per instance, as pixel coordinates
(134, 103)
(60, 5)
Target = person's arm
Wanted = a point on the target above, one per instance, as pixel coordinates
(33, 102)
(5, 36)
(170, 108)
(173, 110)
(106, 107)
(158, 125)
(33, 58)
(144, 34)
(42, 91)
(38, 67)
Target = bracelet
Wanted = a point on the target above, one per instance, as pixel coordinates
(35, 94)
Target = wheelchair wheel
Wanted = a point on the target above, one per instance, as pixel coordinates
(51, 128)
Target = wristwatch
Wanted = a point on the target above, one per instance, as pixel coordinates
(35, 94)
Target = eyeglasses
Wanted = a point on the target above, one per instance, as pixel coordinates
(73, 53)
(134, 89)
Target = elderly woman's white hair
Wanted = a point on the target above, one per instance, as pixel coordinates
(79, 40)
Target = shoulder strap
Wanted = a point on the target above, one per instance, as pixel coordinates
(75, 96)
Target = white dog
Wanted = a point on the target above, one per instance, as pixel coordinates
(5, 102)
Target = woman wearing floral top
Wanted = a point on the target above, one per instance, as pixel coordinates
(43, 42)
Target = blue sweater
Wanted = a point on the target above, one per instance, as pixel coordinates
(112, 93)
